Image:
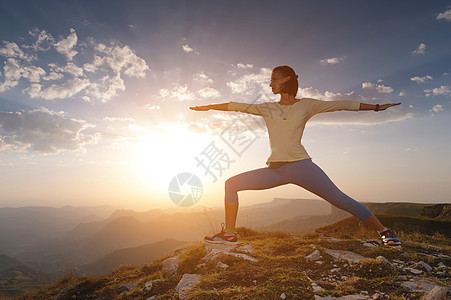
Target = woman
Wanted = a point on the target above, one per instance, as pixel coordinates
(289, 161)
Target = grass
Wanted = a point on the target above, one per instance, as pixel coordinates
(281, 268)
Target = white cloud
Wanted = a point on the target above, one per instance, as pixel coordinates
(244, 66)
(69, 68)
(65, 90)
(202, 78)
(422, 79)
(12, 50)
(94, 78)
(106, 88)
(446, 15)
(65, 46)
(437, 108)
(249, 83)
(122, 59)
(420, 50)
(402, 94)
(380, 88)
(179, 93)
(42, 37)
(12, 72)
(443, 90)
(209, 93)
(43, 131)
(187, 48)
(313, 93)
(152, 107)
(331, 61)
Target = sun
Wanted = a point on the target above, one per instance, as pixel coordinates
(166, 151)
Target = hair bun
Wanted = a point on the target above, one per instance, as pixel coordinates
(296, 76)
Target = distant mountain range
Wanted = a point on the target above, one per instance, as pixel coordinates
(96, 239)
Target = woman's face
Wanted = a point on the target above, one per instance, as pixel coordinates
(277, 81)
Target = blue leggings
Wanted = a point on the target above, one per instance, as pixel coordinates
(303, 173)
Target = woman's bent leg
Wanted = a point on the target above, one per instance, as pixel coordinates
(258, 179)
(309, 176)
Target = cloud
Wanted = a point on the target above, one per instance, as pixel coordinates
(313, 93)
(43, 131)
(437, 108)
(12, 50)
(402, 94)
(42, 38)
(152, 107)
(422, 79)
(65, 46)
(179, 93)
(331, 61)
(187, 48)
(250, 83)
(63, 91)
(105, 89)
(380, 88)
(244, 66)
(202, 78)
(121, 59)
(420, 50)
(443, 90)
(446, 15)
(209, 93)
(100, 78)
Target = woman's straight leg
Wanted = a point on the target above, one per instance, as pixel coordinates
(311, 177)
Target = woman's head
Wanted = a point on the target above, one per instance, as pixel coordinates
(284, 80)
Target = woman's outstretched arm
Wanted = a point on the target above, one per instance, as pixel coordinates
(221, 106)
(377, 107)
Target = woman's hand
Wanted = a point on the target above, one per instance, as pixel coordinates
(200, 108)
(377, 107)
(385, 106)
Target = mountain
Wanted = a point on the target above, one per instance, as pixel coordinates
(340, 261)
(132, 256)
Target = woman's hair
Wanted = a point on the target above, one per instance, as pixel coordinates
(291, 86)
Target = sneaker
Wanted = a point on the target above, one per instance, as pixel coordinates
(389, 237)
(222, 238)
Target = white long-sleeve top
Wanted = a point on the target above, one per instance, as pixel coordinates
(286, 123)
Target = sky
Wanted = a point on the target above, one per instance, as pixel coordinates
(95, 97)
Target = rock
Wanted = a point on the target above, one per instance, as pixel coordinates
(382, 260)
(170, 266)
(62, 293)
(351, 257)
(315, 255)
(148, 285)
(215, 250)
(335, 270)
(200, 265)
(354, 297)
(370, 245)
(419, 285)
(222, 265)
(186, 284)
(318, 262)
(344, 278)
(246, 248)
(283, 296)
(152, 297)
(414, 271)
(438, 293)
(404, 255)
(324, 298)
(424, 266)
(441, 265)
(129, 286)
(376, 296)
(332, 240)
